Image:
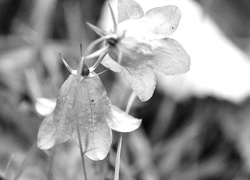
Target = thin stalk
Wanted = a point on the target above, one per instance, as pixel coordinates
(81, 151)
(26, 160)
(118, 158)
(118, 154)
(50, 163)
(99, 60)
(97, 53)
(113, 17)
(97, 30)
(6, 172)
(90, 48)
(72, 71)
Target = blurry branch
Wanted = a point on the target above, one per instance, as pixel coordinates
(125, 170)
(74, 22)
(214, 167)
(141, 150)
(163, 119)
(31, 153)
(169, 153)
(33, 84)
(41, 19)
(7, 169)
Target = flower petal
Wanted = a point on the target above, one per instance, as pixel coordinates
(121, 121)
(45, 106)
(142, 80)
(135, 51)
(162, 20)
(92, 107)
(58, 126)
(157, 23)
(163, 55)
(45, 133)
(129, 9)
(111, 64)
(170, 57)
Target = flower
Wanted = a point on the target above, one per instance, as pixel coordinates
(140, 48)
(83, 112)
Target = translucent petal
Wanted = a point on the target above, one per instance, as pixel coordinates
(45, 106)
(157, 23)
(135, 51)
(170, 57)
(162, 20)
(141, 80)
(46, 132)
(129, 9)
(58, 126)
(163, 55)
(111, 64)
(121, 121)
(92, 108)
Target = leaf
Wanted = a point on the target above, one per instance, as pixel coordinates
(121, 121)
(142, 81)
(170, 57)
(129, 9)
(45, 106)
(162, 20)
(58, 126)
(91, 108)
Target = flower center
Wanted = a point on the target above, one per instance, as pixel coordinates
(85, 70)
(112, 41)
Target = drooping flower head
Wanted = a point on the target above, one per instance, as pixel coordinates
(84, 112)
(139, 47)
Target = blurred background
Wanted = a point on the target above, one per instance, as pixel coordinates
(195, 127)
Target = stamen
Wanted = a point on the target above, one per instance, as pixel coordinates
(90, 48)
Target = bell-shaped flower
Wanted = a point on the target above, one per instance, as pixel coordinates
(83, 112)
(139, 47)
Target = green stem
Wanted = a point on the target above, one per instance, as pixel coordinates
(32, 151)
(6, 172)
(90, 48)
(81, 151)
(118, 154)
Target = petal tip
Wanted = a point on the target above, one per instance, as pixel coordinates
(44, 144)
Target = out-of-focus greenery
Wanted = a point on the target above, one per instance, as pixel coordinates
(199, 138)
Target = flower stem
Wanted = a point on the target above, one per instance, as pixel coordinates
(99, 60)
(118, 154)
(7, 169)
(31, 152)
(90, 48)
(81, 151)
